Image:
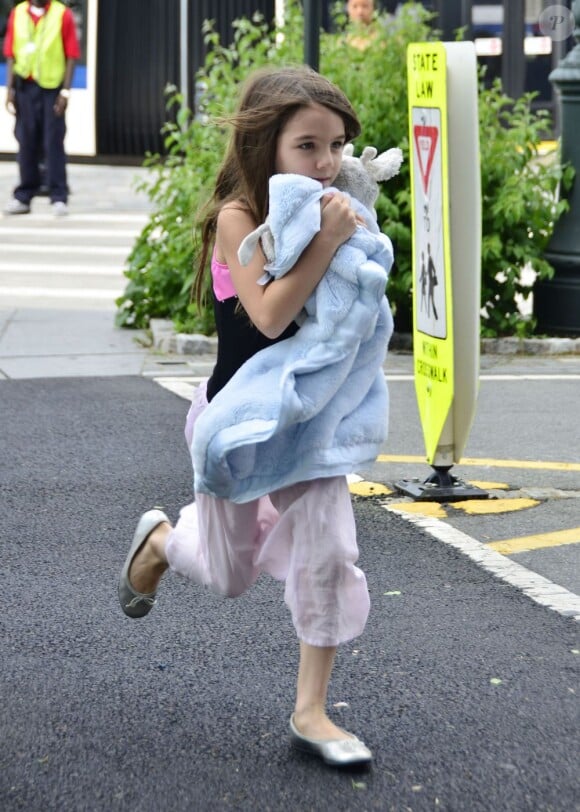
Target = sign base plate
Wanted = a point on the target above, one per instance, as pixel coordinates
(441, 486)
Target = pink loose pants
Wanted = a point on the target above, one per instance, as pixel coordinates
(303, 535)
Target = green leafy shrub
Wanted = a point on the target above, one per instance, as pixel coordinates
(520, 203)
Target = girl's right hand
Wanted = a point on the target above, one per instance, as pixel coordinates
(339, 220)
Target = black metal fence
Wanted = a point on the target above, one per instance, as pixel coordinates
(139, 54)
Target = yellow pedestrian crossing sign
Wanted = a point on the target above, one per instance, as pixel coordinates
(432, 289)
(446, 219)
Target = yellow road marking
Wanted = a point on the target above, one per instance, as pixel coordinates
(369, 489)
(532, 464)
(483, 506)
(537, 542)
(470, 506)
(489, 486)
(433, 509)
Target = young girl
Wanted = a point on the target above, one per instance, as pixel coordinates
(289, 120)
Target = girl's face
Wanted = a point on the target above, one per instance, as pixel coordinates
(311, 144)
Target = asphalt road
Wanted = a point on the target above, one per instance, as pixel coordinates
(465, 688)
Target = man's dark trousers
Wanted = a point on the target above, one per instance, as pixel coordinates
(40, 134)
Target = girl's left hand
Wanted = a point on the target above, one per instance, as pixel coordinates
(339, 220)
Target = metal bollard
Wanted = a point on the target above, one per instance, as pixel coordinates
(557, 300)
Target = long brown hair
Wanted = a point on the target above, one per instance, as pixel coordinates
(269, 98)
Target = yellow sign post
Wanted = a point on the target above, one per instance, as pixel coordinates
(446, 217)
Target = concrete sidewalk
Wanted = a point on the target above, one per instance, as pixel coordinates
(47, 336)
(92, 187)
(59, 343)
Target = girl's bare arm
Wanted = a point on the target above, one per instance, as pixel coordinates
(274, 306)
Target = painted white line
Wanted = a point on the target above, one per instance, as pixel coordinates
(539, 589)
(570, 376)
(90, 217)
(399, 378)
(67, 270)
(101, 250)
(525, 377)
(62, 293)
(162, 379)
(67, 233)
(183, 387)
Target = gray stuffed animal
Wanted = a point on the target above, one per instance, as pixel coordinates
(359, 177)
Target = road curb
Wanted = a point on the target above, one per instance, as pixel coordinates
(166, 340)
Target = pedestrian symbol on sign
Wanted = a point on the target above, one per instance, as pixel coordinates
(428, 282)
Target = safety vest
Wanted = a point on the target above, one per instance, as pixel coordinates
(38, 49)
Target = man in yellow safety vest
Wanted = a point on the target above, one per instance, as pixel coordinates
(40, 47)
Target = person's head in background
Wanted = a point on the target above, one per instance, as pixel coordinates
(360, 11)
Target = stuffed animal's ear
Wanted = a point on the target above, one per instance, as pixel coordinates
(385, 166)
(367, 156)
(268, 245)
(249, 243)
(348, 151)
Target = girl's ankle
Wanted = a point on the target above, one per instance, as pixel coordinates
(317, 725)
(157, 541)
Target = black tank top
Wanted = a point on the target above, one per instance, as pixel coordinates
(238, 340)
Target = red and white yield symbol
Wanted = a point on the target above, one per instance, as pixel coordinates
(426, 142)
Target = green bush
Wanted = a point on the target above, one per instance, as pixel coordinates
(519, 192)
(520, 206)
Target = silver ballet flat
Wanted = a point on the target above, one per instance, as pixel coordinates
(137, 604)
(336, 752)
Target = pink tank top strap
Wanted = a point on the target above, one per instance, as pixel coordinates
(223, 286)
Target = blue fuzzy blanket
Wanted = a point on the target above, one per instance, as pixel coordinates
(314, 405)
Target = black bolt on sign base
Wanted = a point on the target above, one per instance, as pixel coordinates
(441, 486)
